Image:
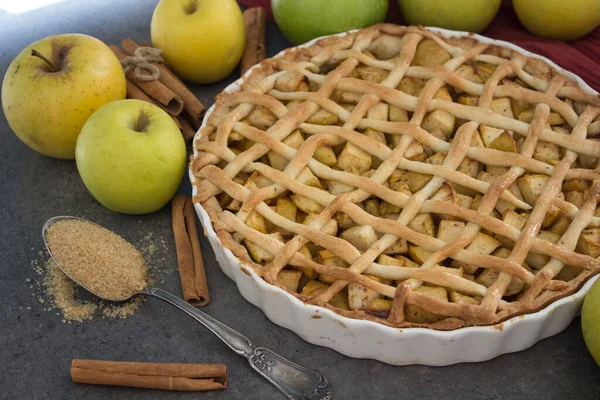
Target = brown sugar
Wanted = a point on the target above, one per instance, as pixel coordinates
(99, 259)
(62, 291)
(123, 311)
(63, 296)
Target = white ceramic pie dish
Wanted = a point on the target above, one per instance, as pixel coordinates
(367, 339)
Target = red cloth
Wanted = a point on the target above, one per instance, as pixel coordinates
(578, 56)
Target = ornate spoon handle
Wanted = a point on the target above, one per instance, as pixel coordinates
(295, 381)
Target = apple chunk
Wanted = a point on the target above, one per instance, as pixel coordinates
(354, 156)
(412, 86)
(449, 230)
(308, 178)
(379, 111)
(314, 288)
(306, 204)
(502, 106)
(430, 54)
(547, 152)
(553, 119)
(423, 223)
(258, 253)
(399, 261)
(286, 209)
(277, 161)
(589, 242)
(532, 186)
(439, 119)
(325, 155)
(362, 237)
(538, 261)
(481, 244)
(261, 118)
(503, 142)
(489, 275)
(489, 134)
(292, 81)
(372, 74)
(418, 254)
(323, 117)
(360, 297)
(417, 314)
(329, 259)
(290, 279)
(397, 114)
(468, 72)
(415, 180)
(335, 187)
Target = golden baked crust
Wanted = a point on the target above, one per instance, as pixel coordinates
(395, 175)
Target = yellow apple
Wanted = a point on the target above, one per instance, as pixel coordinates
(202, 40)
(558, 19)
(457, 15)
(590, 321)
(131, 156)
(52, 87)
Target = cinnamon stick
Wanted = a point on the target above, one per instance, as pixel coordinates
(186, 129)
(154, 89)
(176, 119)
(134, 92)
(255, 49)
(189, 377)
(193, 108)
(189, 256)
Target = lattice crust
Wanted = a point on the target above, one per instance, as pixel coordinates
(399, 176)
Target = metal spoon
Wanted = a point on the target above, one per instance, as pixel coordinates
(295, 381)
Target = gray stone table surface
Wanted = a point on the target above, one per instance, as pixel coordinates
(36, 348)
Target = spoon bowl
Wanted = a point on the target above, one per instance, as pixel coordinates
(59, 218)
(294, 381)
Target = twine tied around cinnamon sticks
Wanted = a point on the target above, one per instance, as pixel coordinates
(166, 91)
(141, 61)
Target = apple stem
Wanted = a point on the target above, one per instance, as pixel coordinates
(36, 53)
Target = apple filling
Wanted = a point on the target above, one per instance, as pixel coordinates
(443, 194)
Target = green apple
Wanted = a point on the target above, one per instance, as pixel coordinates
(590, 321)
(131, 156)
(303, 20)
(202, 40)
(457, 15)
(558, 19)
(52, 87)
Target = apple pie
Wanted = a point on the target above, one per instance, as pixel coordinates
(397, 175)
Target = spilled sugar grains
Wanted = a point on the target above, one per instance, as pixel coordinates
(62, 291)
(57, 293)
(99, 259)
(63, 295)
(123, 311)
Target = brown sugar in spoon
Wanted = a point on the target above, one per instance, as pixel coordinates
(81, 250)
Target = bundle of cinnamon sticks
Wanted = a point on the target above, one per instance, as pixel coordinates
(167, 91)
